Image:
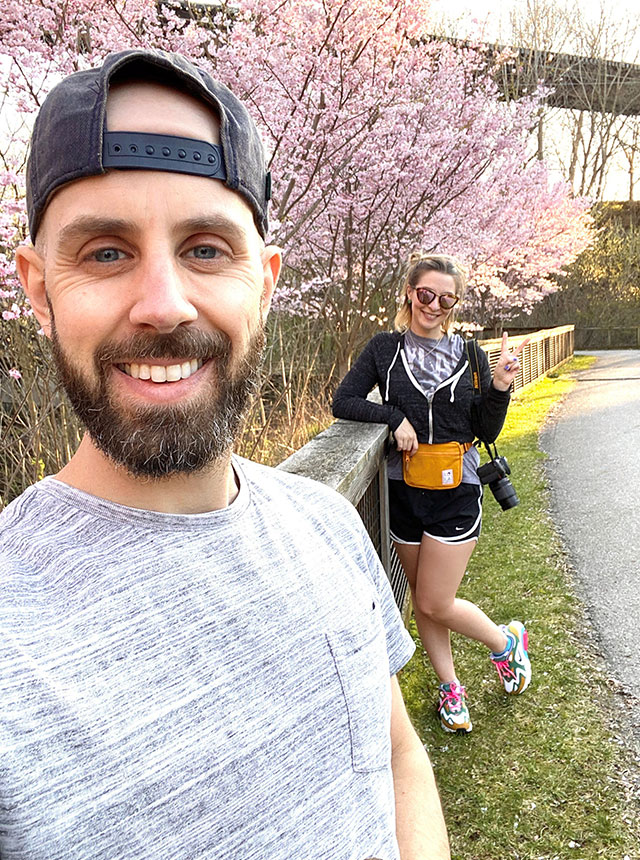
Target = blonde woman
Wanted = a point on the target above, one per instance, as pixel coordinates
(423, 374)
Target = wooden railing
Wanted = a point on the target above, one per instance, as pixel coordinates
(547, 349)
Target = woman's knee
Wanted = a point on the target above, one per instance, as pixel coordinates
(434, 609)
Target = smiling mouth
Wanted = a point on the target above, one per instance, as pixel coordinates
(161, 372)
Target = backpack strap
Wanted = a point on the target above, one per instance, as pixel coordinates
(471, 345)
(472, 354)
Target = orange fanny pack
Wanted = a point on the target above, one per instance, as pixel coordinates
(434, 467)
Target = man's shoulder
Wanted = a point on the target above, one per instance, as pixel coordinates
(22, 522)
(301, 489)
(14, 512)
(286, 497)
(316, 517)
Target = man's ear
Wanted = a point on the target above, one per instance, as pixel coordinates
(30, 267)
(271, 264)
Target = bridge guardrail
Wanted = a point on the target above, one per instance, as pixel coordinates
(608, 337)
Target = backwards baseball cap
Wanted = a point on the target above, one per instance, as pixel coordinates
(70, 140)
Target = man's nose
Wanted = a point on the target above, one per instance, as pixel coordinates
(161, 296)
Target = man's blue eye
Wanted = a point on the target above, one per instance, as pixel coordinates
(107, 255)
(205, 252)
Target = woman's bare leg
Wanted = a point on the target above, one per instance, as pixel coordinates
(435, 638)
(434, 571)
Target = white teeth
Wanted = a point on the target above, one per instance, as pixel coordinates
(162, 373)
(158, 373)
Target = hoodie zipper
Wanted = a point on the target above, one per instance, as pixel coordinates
(450, 380)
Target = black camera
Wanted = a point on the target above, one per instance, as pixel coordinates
(495, 474)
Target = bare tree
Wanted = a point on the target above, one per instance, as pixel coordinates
(629, 144)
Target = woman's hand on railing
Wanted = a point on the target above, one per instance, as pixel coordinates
(405, 436)
(508, 364)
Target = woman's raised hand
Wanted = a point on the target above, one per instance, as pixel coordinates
(405, 436)
(508, 364)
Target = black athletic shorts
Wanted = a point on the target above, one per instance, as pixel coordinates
(449, 516)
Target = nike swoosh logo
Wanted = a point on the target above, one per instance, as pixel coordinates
(459, 528)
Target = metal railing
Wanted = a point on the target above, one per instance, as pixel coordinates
(350, 456)
(608, 337)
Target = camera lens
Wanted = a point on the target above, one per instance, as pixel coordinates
(504, 493)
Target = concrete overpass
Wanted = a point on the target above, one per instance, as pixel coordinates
(579, 83)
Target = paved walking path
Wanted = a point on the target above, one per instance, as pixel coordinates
(593, 443)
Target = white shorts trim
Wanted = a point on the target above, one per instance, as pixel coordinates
(451, 541)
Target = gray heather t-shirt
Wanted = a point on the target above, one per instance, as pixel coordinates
(208, 686)
(431, 361)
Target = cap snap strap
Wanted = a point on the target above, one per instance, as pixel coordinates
(147, 151)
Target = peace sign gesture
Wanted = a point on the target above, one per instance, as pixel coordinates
(508, 364)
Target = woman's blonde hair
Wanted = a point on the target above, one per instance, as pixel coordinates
(418, 265)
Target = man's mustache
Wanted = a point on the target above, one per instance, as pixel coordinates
(182, 343)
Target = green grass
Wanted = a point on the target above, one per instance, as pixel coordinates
(541, 777)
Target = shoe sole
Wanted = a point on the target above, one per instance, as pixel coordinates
(461, 730)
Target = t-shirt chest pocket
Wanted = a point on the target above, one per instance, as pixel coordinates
(362, 664)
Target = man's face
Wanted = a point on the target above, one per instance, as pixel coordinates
(157, 288)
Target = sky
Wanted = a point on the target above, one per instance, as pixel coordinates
(490, 18)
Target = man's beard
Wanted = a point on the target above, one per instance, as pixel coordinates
(161, 440)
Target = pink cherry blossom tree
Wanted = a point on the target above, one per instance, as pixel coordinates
(515, 277)
(380, 142)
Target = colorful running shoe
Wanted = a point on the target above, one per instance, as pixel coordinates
(452, 708)
(515, 669)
